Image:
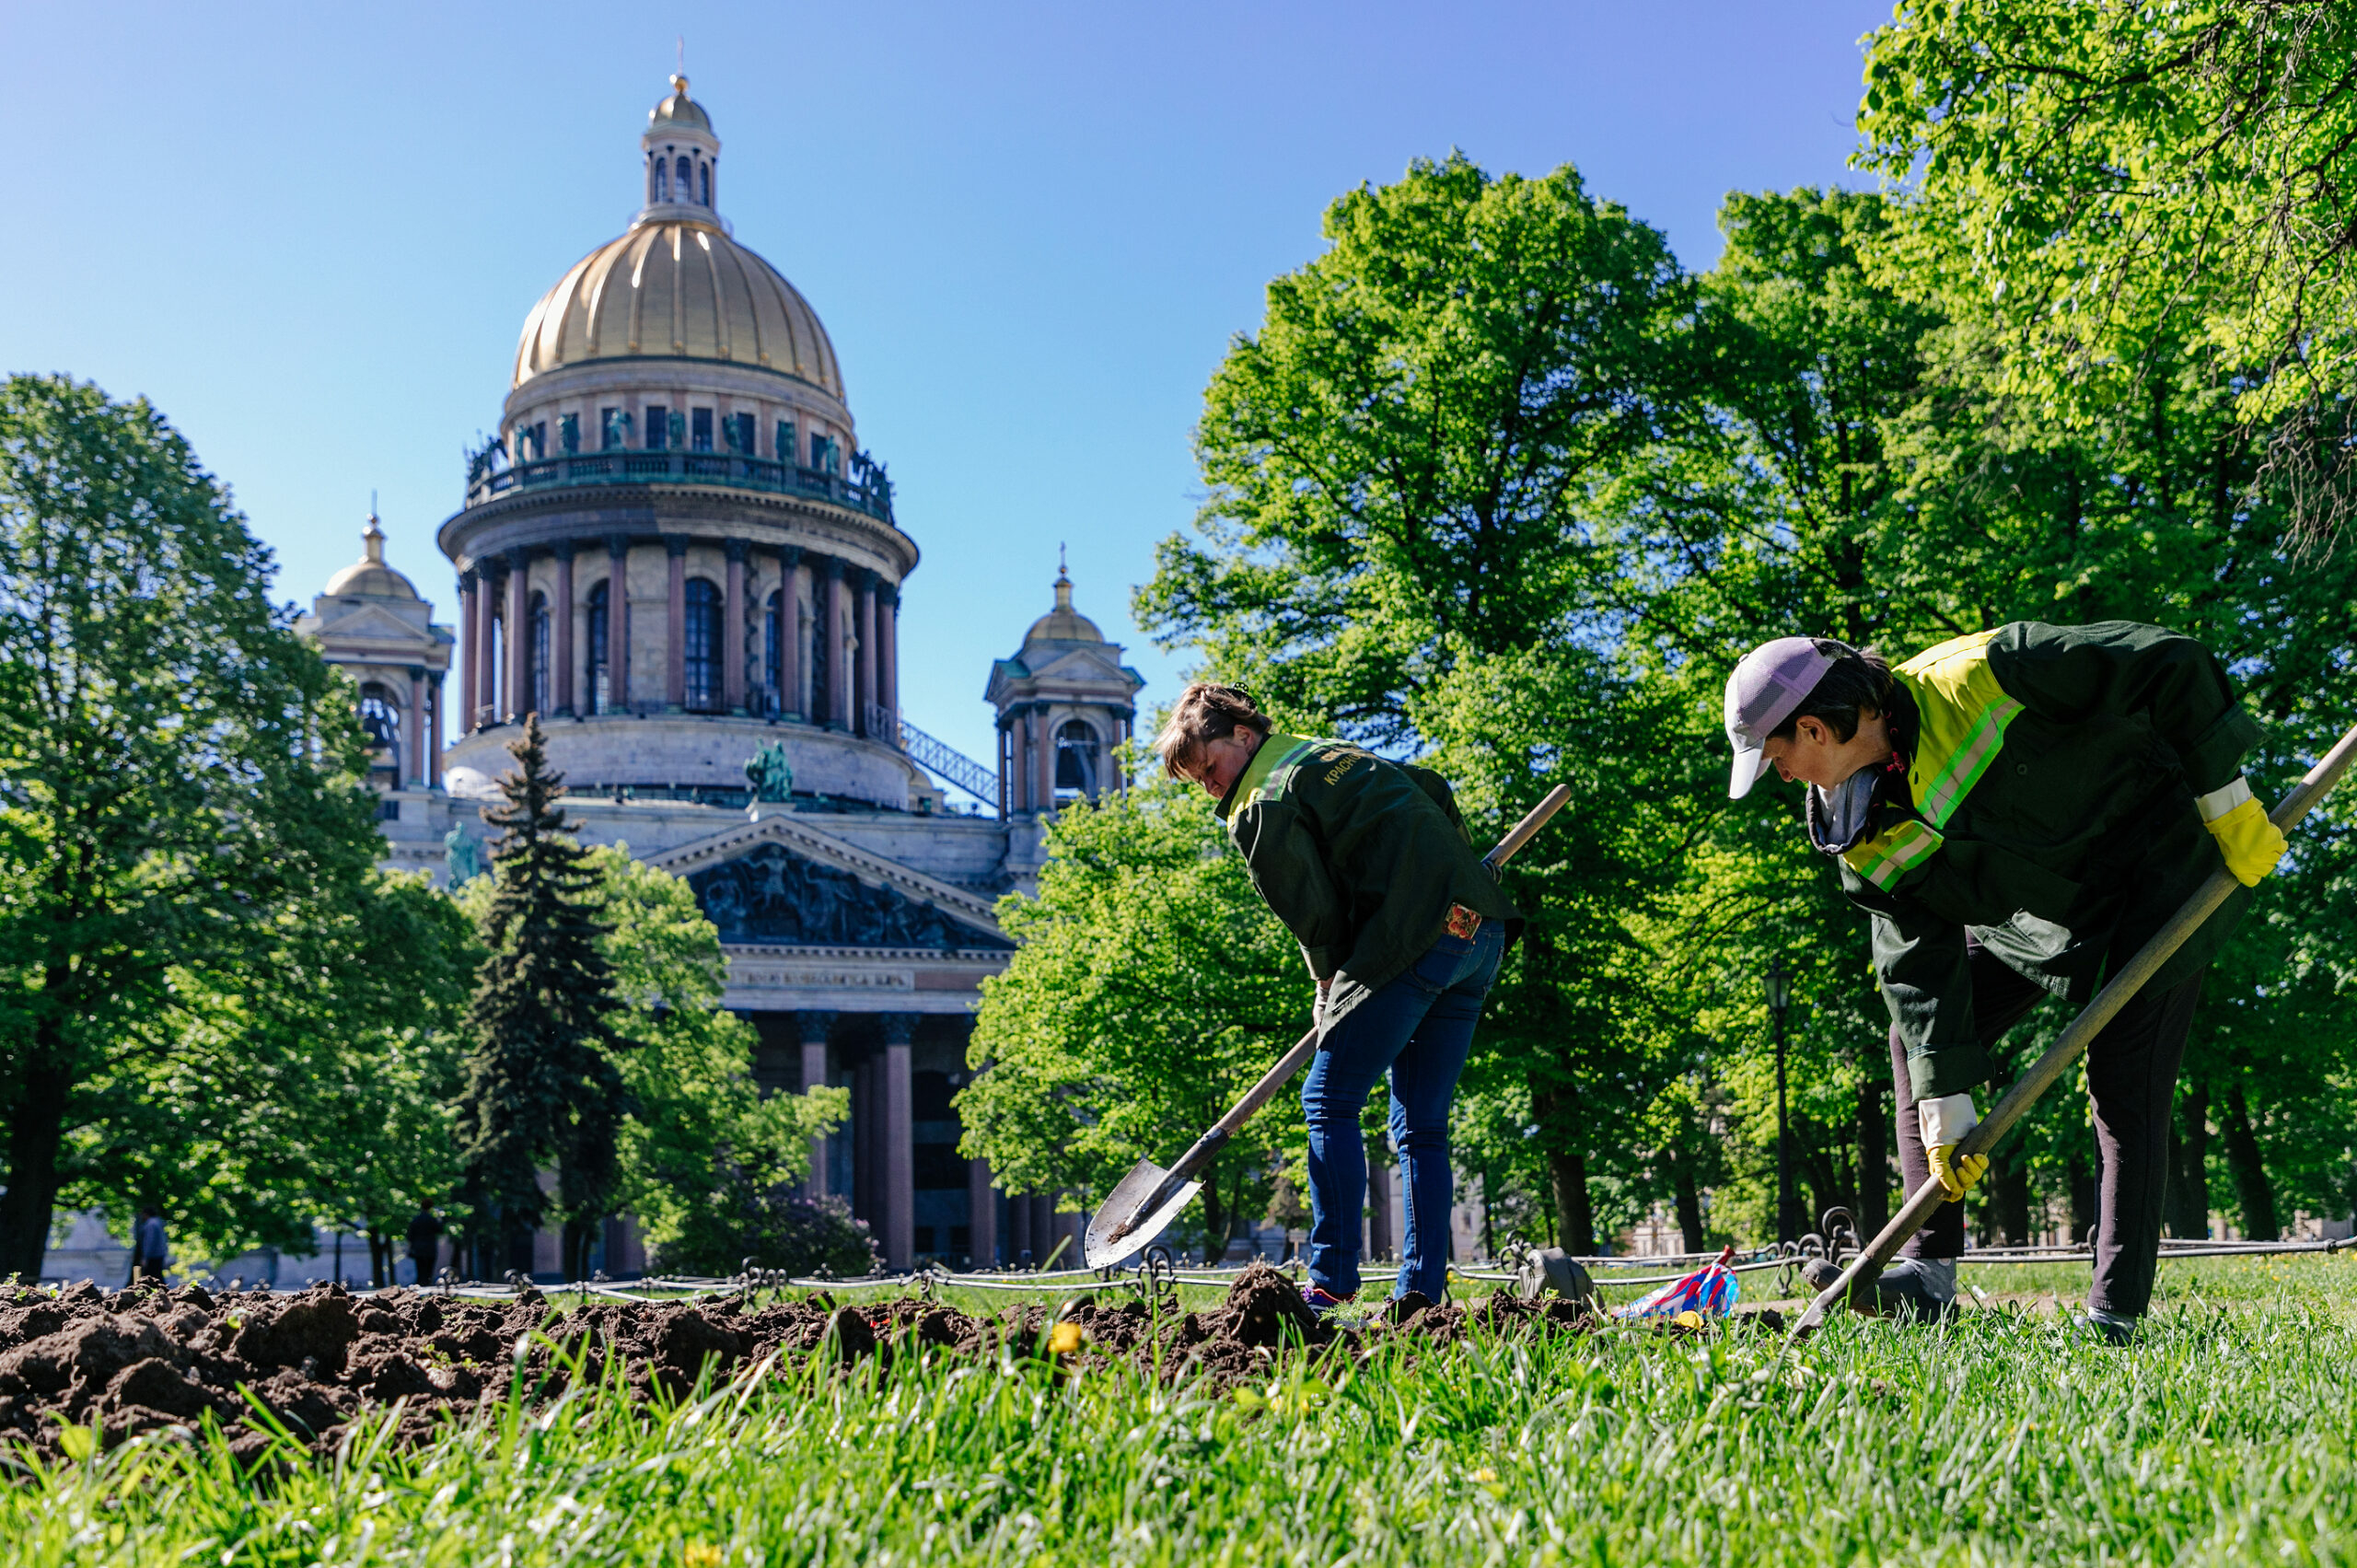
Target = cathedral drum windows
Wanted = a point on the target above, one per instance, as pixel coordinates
(600, 620)
(702, 646)
(658, 427)
(700, 430)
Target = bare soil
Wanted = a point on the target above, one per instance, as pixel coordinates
(132, 1362)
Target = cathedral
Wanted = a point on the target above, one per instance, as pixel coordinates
(677, 553)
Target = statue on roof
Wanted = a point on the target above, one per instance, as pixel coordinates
(462, 856)
(771, 779)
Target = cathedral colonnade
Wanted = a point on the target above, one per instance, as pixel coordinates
(677, 623)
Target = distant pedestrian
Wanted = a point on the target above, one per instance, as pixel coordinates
(149, 1245)
(424, 1244)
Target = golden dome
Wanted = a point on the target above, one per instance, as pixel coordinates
(679, 109)
(1063, 623)
(677, 288)
(369, 577)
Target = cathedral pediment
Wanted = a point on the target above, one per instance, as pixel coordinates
(778, 882)
(370, 623)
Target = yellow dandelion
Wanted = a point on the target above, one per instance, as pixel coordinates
(701, 1554)
(1066, 1338)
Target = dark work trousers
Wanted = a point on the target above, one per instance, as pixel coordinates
(2131, 1079)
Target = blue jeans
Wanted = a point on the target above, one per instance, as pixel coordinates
(1418, 1028)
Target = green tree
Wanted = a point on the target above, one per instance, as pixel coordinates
(542, 1087)
(1397, 458)
(179, 791)
(2117, 184)
(1152, 988)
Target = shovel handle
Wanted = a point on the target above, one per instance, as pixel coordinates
(1294, 1061)
(2073, 1042)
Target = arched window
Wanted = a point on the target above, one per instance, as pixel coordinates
(703, 646)
(773, 657)
(600, 616)
(1077, 759)
(380, 715)
(704, 183)
(687, 178)
(659, 190)
(539, 681)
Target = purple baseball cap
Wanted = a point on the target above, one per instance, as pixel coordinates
(1762, 692)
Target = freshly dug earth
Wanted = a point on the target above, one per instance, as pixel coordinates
(140, 1361)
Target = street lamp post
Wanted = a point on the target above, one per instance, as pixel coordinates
(1779, 996)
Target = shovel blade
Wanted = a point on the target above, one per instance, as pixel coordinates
(1119, 1228)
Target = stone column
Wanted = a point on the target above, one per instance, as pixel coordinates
(981, 1215)
(864, 1138)
(675, 625)
(470, 648)
(519, 634)
(415, 745)
(1044, 736)
(561, 633)
(434, 735)
(618, 622)
(732, 629)
(831, 627)
(788, 675)
(887, 657)
(813, 1074)
(1018, 1228)
(900, 1157)
(1005, 803)
(483, 700)
(863, 684)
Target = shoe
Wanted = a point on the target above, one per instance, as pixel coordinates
(2108, 1327)
(1909, 1287)
(1322, 1301)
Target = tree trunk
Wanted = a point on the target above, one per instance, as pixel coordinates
(1874, 1158)
(1379, 1240)
(36, 1134)
(2253, 1191)
(2188, 1196)
(1575, 1217)
(2009, 1193)
(1689, 1205)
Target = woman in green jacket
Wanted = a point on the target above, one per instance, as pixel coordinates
(2019, 811)
(1401, 925)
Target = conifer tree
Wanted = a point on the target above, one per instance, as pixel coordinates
(542, 1086)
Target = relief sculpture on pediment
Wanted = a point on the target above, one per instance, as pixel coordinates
(772, 895)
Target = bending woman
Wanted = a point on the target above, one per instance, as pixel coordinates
(1402, 926)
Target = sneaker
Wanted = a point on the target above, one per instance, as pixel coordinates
(2109, 1327)
(1322, 1301)
(1909, 1287)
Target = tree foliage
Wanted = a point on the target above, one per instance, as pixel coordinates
(2113, 187)
(542, 1087)
(182, 816)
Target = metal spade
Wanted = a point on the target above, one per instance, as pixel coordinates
(1144, 1203)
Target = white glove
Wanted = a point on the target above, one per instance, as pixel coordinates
(1944, 1123)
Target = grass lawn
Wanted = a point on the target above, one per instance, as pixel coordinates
(2229, 1434)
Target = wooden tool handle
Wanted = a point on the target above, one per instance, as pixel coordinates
(2073, 1042)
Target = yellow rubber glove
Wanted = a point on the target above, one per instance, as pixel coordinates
(1945, 1122)
(1958, 1175)
(2250, 842)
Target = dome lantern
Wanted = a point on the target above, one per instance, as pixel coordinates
(682, 157)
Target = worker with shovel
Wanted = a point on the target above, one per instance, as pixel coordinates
(1402, 926)
(2018, 811)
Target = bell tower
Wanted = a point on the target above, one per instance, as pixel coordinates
(1065, 704)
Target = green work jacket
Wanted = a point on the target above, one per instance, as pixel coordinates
(1361, 858)
(2048, 810)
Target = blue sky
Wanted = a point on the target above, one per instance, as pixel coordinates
(310, 234)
